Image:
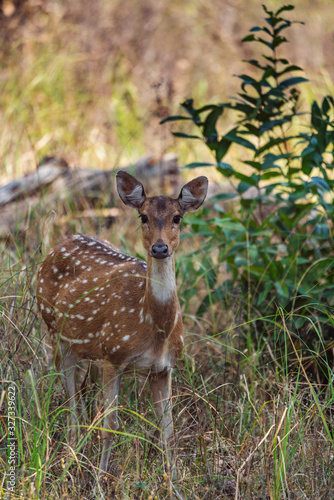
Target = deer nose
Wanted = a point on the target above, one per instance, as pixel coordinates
(159, 250)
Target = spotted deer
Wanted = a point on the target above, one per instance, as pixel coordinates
(101, 304)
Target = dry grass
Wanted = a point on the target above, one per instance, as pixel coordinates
(245, 427)
(91, 81)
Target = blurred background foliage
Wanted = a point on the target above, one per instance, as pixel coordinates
(90, 81)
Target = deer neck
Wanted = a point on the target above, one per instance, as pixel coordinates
(161, 295)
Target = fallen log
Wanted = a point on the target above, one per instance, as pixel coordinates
(87, 192)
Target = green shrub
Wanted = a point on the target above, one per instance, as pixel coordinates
(277, 244)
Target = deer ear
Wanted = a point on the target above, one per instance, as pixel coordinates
(193, 194)
(130, 190)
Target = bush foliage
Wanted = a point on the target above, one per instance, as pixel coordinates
(277, 247)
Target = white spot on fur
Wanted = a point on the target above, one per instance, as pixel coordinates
(125, 338)
(75, 341)
(148, 319)
(141, 317)
(176, 318)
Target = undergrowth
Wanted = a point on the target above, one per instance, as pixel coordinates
(247, 425)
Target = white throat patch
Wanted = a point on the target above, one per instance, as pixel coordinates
(162, 280)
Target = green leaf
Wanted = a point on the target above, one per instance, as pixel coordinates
(208, 107)
(282, 289)
(248, 38)
(285, 7)
(307, 165)
(320, 183)
(285, 24)
(269, 174)
(265, 42)
(251, 180)
(273, 142)
(255, 63)
(263, 295)
(243, 187)
(252, 129)
(252, 100)
(292, 81)
(222, 148)
(327, 102)
(188, 106)
(248, 80)
(209, 128)
(240, 261)
(230, 225)
(174, 119)
(278, 40)
(186, 136)
(233, 137)
(254, 164)
(316, 117)
(291, 67)
(225, 169)
(257, 28)
(223, 197)
(199, 164)
(270, 124)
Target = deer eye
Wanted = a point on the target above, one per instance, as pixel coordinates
(144, 218)
(177, 219)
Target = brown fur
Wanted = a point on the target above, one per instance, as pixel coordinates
(100, 304)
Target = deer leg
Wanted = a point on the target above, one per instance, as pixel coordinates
(89, 389)
(161, 393)
(111, 379)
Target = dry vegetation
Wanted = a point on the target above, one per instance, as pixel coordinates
(90, 81)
